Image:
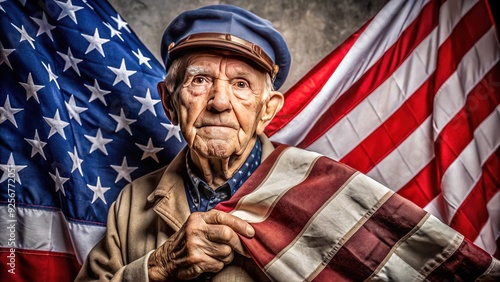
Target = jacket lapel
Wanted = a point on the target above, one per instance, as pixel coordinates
(169, 197)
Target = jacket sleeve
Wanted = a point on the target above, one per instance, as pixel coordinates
(107, 261)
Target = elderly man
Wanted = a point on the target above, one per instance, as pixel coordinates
(224, 67)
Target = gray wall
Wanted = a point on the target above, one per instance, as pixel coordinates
(312, 29)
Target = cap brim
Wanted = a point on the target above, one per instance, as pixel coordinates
(242, 47)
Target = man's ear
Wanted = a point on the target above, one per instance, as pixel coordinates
(272, 106)
(167, 102)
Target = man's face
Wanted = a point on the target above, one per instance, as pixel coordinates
(221, 105)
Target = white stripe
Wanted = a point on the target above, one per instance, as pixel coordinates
(396, 269)
(439, 241)
(436, 207)
(322, 235)
(385, 28)
(443, 238)
(36, 229)
(46, 230)
(84, 238)
(294, 166)
(373, 111)
(417, 150)
(404, 162)
(451, 97)
(491, 230)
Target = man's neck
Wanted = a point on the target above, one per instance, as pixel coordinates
(216, 171)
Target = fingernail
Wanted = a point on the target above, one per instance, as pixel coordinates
(250, 231)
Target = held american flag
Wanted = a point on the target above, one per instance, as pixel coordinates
(80, 118)
(316, 219)
(413, 103)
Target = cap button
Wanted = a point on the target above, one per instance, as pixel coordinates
(170, 46)
(228, 37)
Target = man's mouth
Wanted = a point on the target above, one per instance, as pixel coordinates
(216, 124)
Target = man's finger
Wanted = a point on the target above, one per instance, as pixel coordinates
(225, 235)
(238, 225)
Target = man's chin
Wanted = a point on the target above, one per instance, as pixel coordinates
(216, 148)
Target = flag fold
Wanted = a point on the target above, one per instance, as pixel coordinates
(319, 220)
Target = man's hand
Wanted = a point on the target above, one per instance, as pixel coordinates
(205, 243)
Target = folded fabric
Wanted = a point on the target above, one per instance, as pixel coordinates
(317, 219)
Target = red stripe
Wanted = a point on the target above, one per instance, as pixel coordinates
(466, 264)
(296, 208)
(473, 213)
(32, 265)
(419, 106)
(497, 253)
(491, 14)
(304, 91)
(422, 188)
(369, 246)
(417, 31)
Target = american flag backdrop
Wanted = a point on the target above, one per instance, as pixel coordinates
(411, 100)
(80, 118)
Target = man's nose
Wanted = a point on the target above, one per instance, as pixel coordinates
(220, 96)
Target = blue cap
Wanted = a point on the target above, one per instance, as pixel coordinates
(231, 28)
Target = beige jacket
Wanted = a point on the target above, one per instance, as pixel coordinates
(145, 214)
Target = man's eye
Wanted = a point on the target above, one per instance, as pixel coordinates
(241, 84)
(200, 80)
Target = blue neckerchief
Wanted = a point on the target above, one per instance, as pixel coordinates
(201, 197)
